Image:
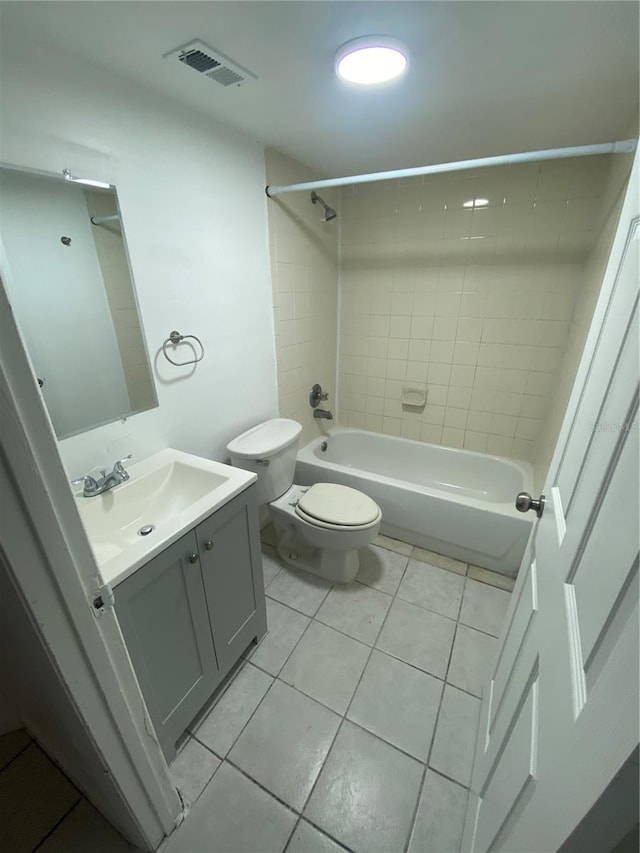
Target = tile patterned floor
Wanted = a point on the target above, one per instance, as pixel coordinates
(41, 810)
(352, 725)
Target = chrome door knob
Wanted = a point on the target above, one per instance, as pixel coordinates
(524, 502)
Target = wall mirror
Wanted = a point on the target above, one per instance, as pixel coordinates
(67, 275)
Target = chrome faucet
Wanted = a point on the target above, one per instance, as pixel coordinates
(93, 487)
(322, 414)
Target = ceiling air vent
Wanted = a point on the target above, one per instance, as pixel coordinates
(211, 63)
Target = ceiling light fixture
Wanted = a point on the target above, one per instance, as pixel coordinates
(476, 202)
(87, 181)
(371, 59)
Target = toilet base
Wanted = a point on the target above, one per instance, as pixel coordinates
(333, 566)
(308, 547)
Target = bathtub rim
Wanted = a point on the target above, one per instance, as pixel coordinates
(307, 455)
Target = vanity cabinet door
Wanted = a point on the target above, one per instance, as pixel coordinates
(229, 545)
(163, 616)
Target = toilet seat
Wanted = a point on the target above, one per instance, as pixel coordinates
(329, 505)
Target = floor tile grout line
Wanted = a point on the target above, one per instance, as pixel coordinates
(444, 683)
(326, 624)
(275, 678)
(225, 758)
(342, 844)
(217, 755)
(390, 595)
(395, 595)
(373, 645)
(414, 816)
(17, 755)
(297, 610)
(298, 641)
(355, 580)
(262, 787)
(373, 648)
(426, 765)
(209, 780)
(291, 834)
(435, 728)
(228, 682)
(322, 766)
(410, 556)
(344, 717)
(449, 778)
(299, 814)
(58, 823)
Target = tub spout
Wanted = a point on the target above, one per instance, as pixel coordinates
(322, 413)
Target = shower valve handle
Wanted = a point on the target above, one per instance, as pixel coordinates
(317, 395)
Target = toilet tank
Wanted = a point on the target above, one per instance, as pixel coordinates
(269, 450)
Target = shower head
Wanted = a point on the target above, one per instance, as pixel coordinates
(329, 212)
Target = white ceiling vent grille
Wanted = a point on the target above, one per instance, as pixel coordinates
(211, 63)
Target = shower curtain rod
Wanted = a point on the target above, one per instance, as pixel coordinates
(626, 146)
(98, 220)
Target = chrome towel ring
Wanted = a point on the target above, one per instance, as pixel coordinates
(176, 338)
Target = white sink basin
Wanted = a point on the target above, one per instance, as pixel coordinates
(170, 491)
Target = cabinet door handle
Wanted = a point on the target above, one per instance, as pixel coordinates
(193, 558)
(208, 544)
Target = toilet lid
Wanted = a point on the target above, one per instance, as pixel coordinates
(339, 505)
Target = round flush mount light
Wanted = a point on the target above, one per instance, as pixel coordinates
(371, 59)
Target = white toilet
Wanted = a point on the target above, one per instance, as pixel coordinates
(320, 527)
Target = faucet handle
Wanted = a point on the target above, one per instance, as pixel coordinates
(86, 478)
(119, 469)
(89, 483)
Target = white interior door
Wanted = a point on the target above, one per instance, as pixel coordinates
(560, 715)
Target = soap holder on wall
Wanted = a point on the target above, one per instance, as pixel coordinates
(413, 397)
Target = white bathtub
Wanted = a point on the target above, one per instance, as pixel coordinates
(455, 502)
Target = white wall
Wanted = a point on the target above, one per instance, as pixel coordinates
(193, 208)
(60, 300)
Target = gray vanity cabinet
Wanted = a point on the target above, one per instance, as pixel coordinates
(188, 614)
(163, 616)
(229, 545)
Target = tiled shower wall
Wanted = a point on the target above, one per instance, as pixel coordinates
(586, 298)
(471, 305)
(304, 275)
